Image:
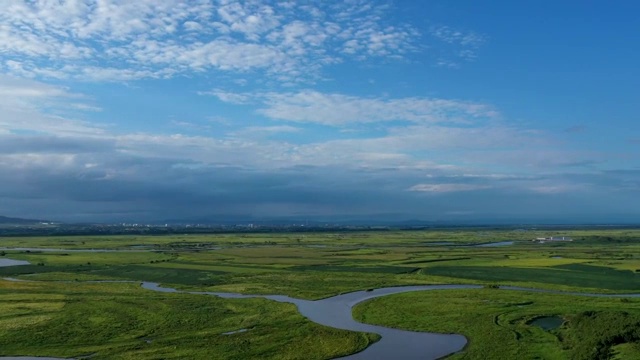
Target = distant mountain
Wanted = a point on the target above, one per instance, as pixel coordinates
(334, 220)
(19, 221)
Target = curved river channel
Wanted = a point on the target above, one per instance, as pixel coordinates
(394, 344)
(336, 312)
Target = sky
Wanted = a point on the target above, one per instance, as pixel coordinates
(437, 110)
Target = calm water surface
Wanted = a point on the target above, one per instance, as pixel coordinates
(336, 312)
(494, 244)
(394, 344)
(4, 262)
(548, 322)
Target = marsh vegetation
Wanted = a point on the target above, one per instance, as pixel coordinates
(58, 313)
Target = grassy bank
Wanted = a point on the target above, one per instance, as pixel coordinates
(309, 266)
(123, 321)
(497, 322)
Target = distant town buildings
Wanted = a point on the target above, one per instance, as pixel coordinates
(543, 240)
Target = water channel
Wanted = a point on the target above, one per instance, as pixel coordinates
(336, 312)
(394, 344)
(11, 262)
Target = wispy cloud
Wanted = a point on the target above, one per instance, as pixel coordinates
(32, 106)
(447, 188)
(454, 36)
(339, 109)
(112, 40)
(267, 130)
(412, 133)
(72, 168)
(227, 96)
(463, 45)
(11, 87)
(334, 109)
(576, 129)
(191, 126)
(558, 185)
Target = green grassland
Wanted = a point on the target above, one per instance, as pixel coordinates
(497, 322)
(371, 238)
(313, 266)
(123, 321)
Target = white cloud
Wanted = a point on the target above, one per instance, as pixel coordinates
(447, 188)
(340, 110)
(408, 132)
(11, 87)
(227, 96)
(192, 26)
(454, 36)
(267, 130)
(463, 45)
(150, 39)
(549, 189)
(52, 162)
(450, 135)
(31, 106)
(85, 107)
(68, 161)
(556, 187)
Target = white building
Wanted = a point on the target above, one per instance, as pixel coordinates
(553, 238)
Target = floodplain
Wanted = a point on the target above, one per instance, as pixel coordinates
(62, 309)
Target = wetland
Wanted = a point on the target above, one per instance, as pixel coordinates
(313, 269)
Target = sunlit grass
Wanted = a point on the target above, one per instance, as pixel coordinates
(311, 266)
(496, 322)
(124, 321)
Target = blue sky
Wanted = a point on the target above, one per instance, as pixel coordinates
(435, 110)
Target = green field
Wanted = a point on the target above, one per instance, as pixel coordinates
(39, 317)
(124, 321)
(497, 322)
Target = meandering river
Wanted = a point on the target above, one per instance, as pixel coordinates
(394, 344)
(336, 312)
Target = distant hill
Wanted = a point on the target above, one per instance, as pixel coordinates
(19, 221)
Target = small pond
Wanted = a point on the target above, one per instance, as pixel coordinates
(494, 244)
(10, 262)
(548, 322)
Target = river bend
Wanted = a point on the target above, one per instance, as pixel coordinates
(336, 312)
